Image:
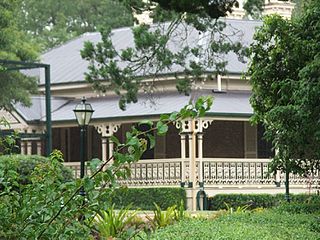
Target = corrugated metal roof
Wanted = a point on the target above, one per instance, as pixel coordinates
(68, 66)
(230, 103)
(225, 103)
(37, 111)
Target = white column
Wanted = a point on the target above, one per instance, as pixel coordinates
(104, 148)
(201, 125)
(192, 156)
(183, 157)
(29, 147)
(110, 149)
(23, 147)
(39, 147)
(219, 83)
(200, 156)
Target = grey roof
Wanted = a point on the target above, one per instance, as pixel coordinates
(37, 111)
(230, 103)
(67, 66)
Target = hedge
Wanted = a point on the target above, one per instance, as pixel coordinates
(219, 201)
(299, 208)
(144, 198)
(25, 164)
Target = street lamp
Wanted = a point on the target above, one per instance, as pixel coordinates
(83, 112)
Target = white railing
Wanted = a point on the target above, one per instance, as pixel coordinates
(236, 171)
(155, 172)
(215, 171)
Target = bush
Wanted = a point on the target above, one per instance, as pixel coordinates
(27, 209)
(25, 164)
(219, 201)
(299, 208)
(144, 198)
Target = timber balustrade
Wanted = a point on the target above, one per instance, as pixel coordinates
(215, 171)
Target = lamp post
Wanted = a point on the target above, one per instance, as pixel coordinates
(83, 112)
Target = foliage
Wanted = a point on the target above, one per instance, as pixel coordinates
(49, 208)
(163, 218)
(53, 22)
(254, 8)
(284, 74)
(24, 165)
(313, 207)
(260, 225)
(14, 45)
(253, 201)
(121, 70)
(26, 209)
(144, 198)
(239, 209)
(8, 142)
(111, 223)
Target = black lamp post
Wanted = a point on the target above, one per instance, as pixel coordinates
(83, 112)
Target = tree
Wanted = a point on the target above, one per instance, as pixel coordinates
(14, 45)
(52, 22)
(151, 55)
(284, 74)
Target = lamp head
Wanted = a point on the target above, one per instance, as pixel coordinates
(83, 112)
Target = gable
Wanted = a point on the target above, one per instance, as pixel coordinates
(13, 119)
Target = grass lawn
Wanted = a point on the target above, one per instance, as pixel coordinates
(268, 224)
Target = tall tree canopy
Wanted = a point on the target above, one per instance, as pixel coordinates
(14, 45)
(53, 22)
(151, 55)
(28, 27)
(285, 76)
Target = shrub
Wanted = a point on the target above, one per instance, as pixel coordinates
(110, 223)
(299, 208)
(27, 209)
(163, 218)
(219, 201)
(144, 198)
(24, 165)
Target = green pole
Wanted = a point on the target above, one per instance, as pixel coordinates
(48, 111)
(287, 195)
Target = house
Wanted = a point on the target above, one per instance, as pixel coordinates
(231, 155)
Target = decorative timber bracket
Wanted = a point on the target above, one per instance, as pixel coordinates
(200, 125)
(107, 129)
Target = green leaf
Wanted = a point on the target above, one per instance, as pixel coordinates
(115, 140)
(151, 140)
(94, 164)
(88, 184)
(133, 141)
(162, 128)
(164, 117)
(174, 116)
